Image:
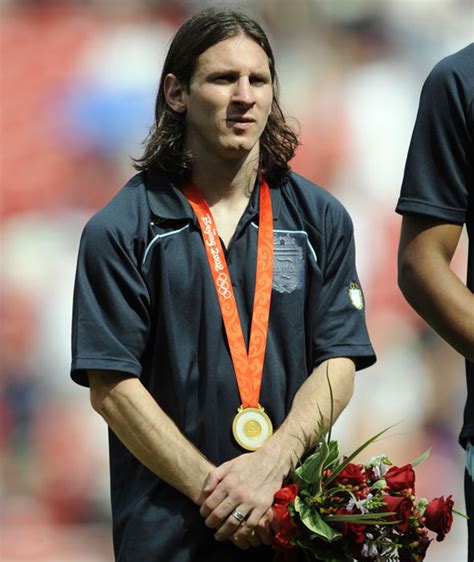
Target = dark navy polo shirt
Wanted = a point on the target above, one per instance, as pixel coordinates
(439, 173)
(145, 304)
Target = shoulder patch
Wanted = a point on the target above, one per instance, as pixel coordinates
(356, 296)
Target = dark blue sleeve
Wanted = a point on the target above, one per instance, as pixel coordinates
(111, 308)
(439, 171)
(339, 328)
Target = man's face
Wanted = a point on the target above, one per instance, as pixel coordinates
(229, 100)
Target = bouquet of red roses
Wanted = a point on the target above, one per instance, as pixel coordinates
(335, 510)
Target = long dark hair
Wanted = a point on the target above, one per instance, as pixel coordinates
(164, 146)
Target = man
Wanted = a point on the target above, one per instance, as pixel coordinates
(437, 198)
(164, 308)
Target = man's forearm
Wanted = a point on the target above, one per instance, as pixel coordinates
(311, 405)
(440, 298)
(445, 303)
(148, 433)
(425, 277)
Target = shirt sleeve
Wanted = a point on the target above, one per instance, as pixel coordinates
(111, 308)
(439, 165)
(339, 328)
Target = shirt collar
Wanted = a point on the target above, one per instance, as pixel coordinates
(165, 198)
(275, 196)
(167, 201)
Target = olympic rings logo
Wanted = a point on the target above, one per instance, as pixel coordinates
(223, 287)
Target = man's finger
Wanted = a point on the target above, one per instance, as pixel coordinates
(242, 543)
(254, 539)
(215, 499)
(232, 524)
(255, 516)
(273, 520)
(243, 533)
(213, 478)
(226, 510)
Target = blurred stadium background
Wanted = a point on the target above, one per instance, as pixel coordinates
(78, 81)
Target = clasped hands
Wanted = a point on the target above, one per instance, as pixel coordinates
(238, 498)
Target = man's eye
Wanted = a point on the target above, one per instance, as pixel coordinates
(225, 78)
(258, 80)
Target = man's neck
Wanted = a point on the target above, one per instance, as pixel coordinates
(226, 181)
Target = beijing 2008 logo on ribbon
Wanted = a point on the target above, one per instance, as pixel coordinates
(223, 285)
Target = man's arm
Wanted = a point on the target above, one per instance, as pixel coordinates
(249, 482)
(427, 281)
(144, 428)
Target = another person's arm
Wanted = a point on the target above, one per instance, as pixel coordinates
(435, 201)
(145, 429)
(249, 482)
(427, 281)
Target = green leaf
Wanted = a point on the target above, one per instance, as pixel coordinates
(331, 416)
(333, 455)
(312, 468)
(355, 453)
(313, 521)
(378, 522)
(360, 517)
(337, 489)
(421, 504)
(297, 472)
(421, 458)
(300, 506)
(379, 484)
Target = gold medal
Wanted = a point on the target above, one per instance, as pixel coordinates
(251, 427)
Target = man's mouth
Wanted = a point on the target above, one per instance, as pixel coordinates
(240, 121)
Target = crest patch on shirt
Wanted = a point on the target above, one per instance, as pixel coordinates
(356, 296)
(288, 263)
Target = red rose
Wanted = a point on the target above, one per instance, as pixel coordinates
(286, 495)
(355, 532)
(287, 527)
(280, 511)
(402, 506)
(399, 479)
(351, 474)
(370, 476)
(439, 516)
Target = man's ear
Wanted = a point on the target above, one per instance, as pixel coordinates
(174, 94)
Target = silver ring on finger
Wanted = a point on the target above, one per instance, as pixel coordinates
(238, 515)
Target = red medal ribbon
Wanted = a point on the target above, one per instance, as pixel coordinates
(248, 367)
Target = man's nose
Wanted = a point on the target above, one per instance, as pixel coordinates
(243, 92)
